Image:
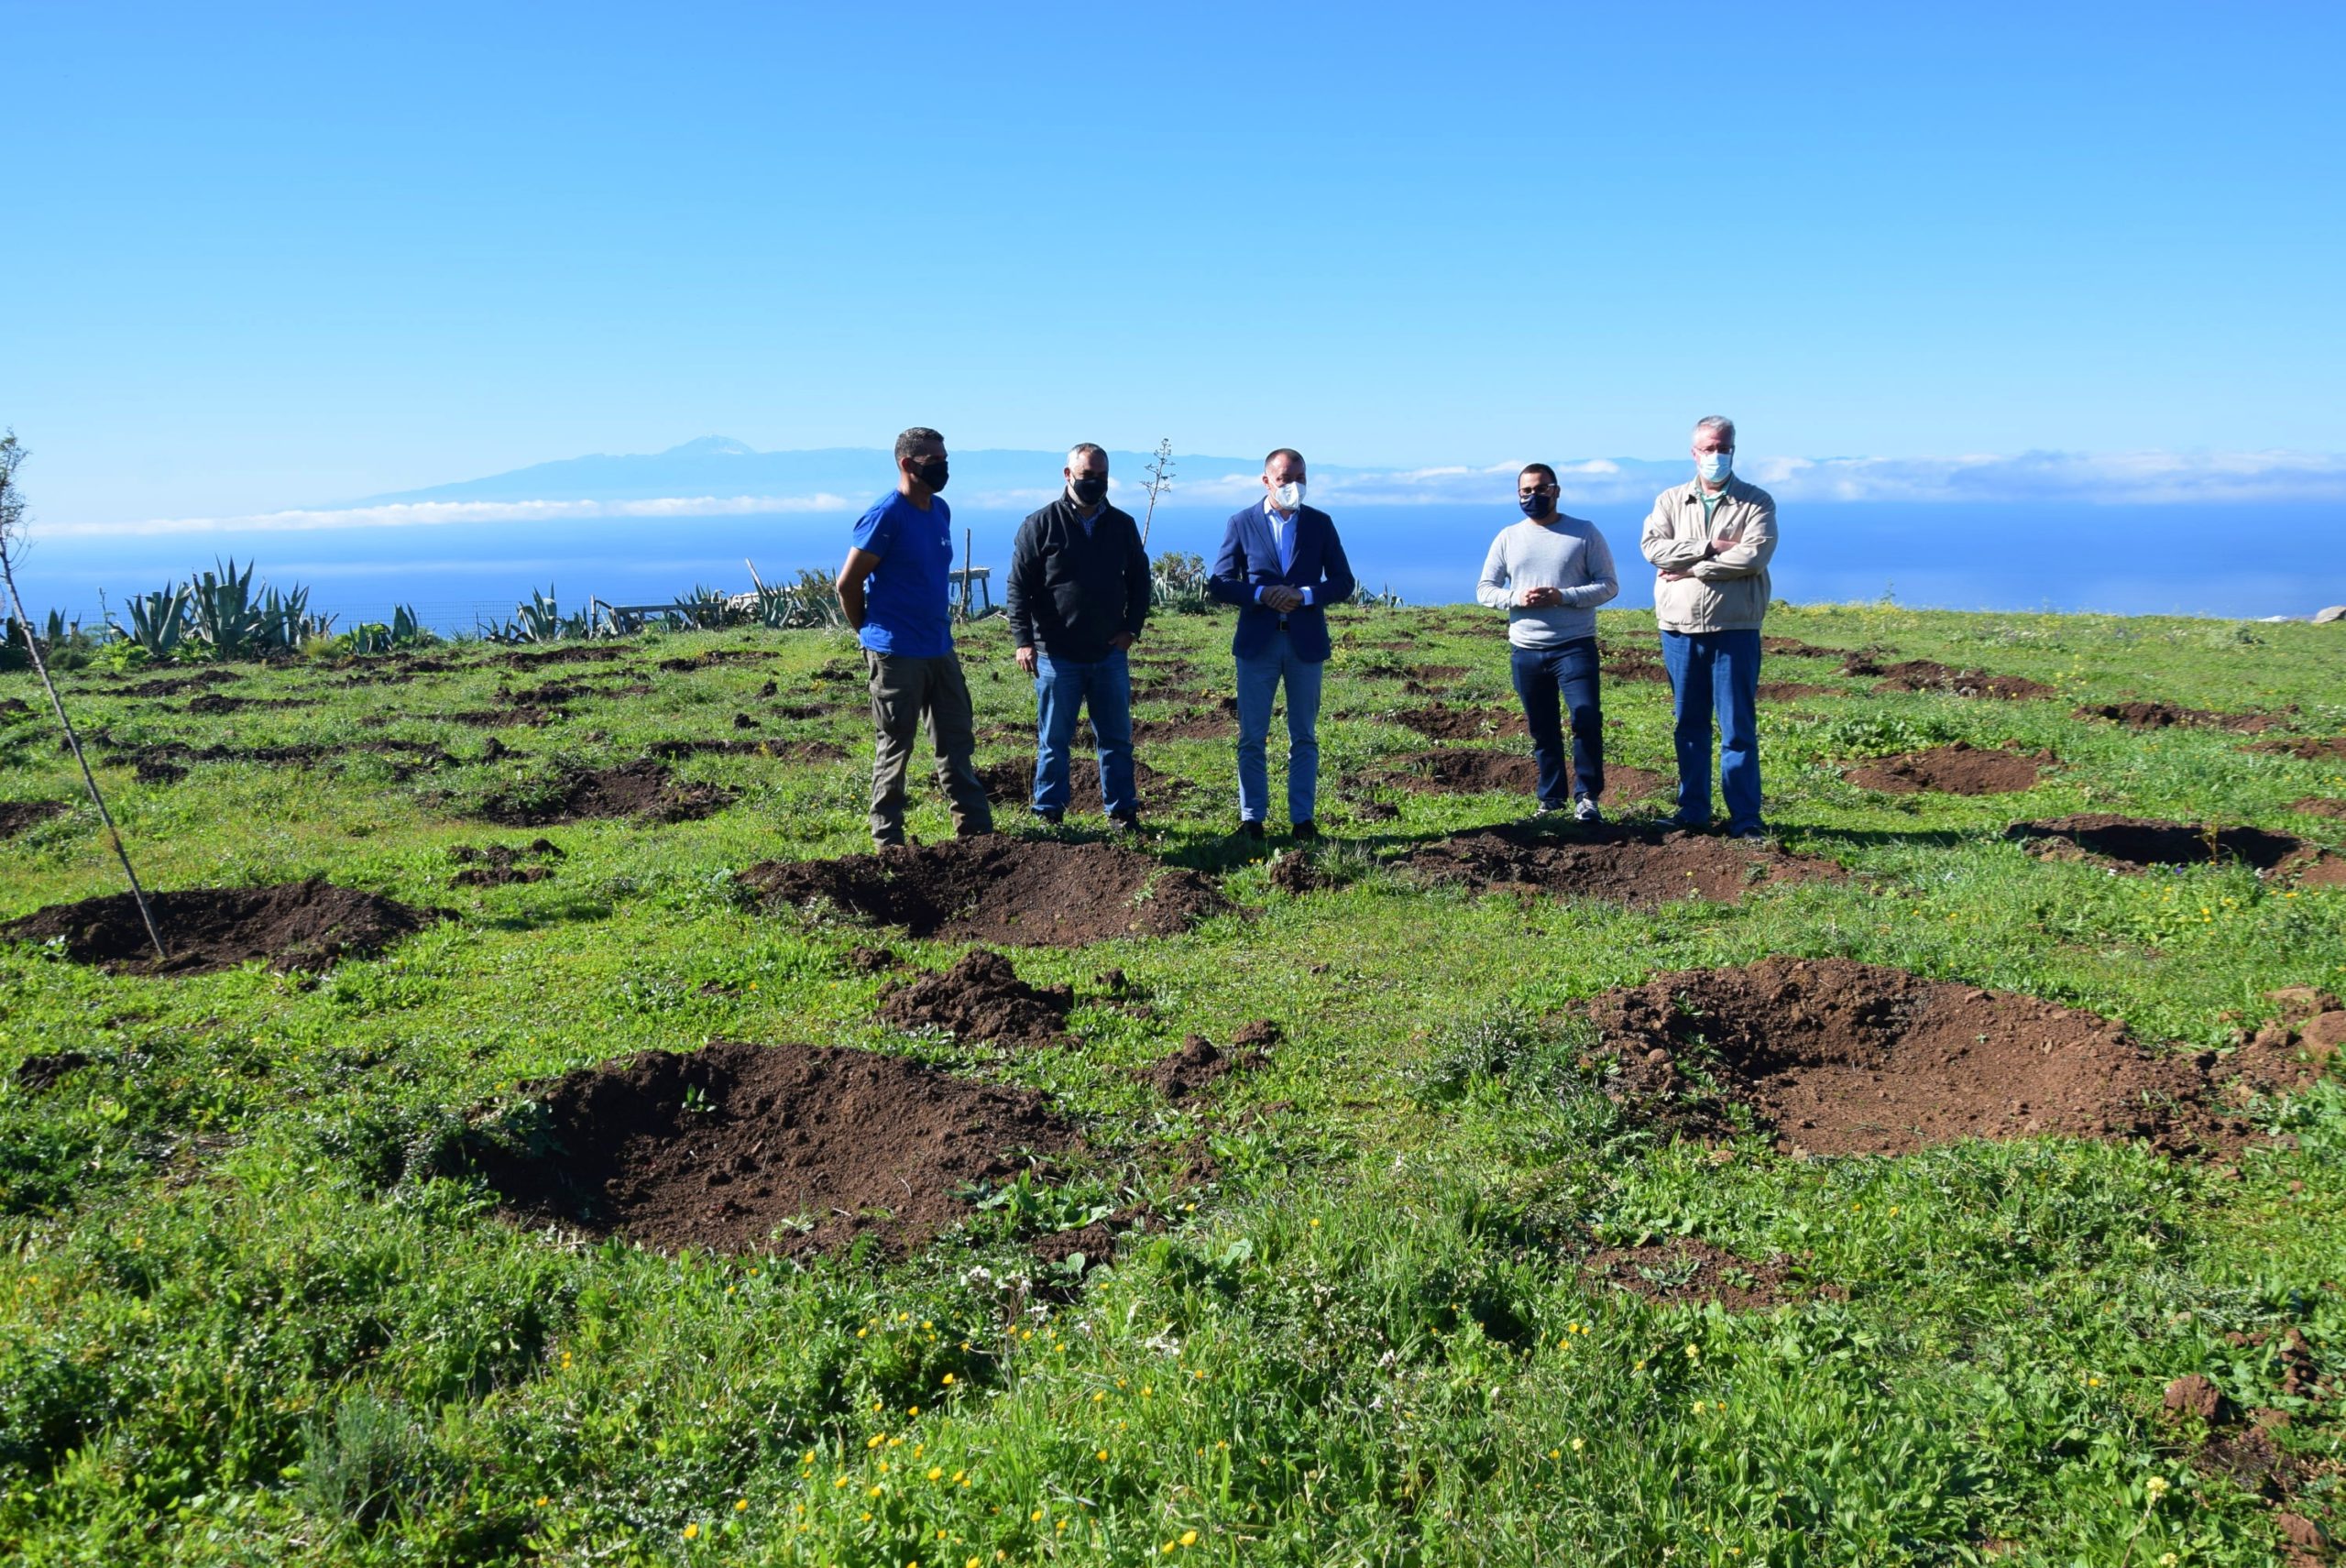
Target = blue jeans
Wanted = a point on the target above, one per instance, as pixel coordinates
(1061, 688)
(1258, 683)
(1717, 670)
(1542, 675)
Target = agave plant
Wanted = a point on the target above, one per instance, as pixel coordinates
(406, 630)
(286, 621)
(159, 621)
(221, 611)
(809, 601)
(539, 621)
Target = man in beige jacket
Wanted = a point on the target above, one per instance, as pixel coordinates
(1710, 542)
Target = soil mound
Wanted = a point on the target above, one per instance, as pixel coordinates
(1018, 892)
(502, 865)
(1792, 691)
(1471, 771)
(1643, 868)
(2168, 716)
(506, 717)
(1012, 782)
(2141, 841)
(2312, 805)
(294, 925)
(1793, 648)
(15, 708)
(711, 658)
(1956, 768)
(580, 654)
(1837, 1058)
(747, 1149)
(17, 816)
(2329, 750)
(785, 751)
(640, 789)
(1690, 1271)
(1635, 664)
(982, 998)
(1192, 725)
(174, 685)
(1440, 721)
(1189, 1071)
(1926, 675)
(43, 1070)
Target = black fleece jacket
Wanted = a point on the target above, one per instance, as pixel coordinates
(1070, 591)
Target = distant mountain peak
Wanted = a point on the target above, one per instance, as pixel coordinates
(712, 446)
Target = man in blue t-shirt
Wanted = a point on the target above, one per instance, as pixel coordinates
(896, 587)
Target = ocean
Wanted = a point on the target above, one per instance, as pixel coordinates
(2177, 559)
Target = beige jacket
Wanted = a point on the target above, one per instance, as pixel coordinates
(1725, 592)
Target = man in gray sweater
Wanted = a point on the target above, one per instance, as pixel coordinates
(1549, 573)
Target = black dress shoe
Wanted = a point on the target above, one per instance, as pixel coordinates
(1251, 828)
(1124, 822)
(1050, 819)
(1305, 830)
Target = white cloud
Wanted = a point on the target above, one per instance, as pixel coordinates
(430, 514)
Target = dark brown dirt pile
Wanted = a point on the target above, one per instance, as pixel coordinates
(2224, 1440)
(43, 1070)
(1188, 1072)
(2141, 841)
(15, 708)
(17, 816)
(571, 653)
(638, 789)
(982, 998)
(790, 1149)
(2331, 751)
(1837, 1058)
(213, 702)
(174, 685)
(1926, 675)
(2168, 716)
(2304, 1040)
(506, 717)
(1793, 648)
(1959, 768)
(1191, 724)
(783, 750)
(502, 865)
(1688, 1271)
(2316, 805)
(1440, 721)
(294, 925)
(1017, 892)
(1637, 663)
(1473, 770)
(1012, 782)
(1792, 691)
(1643, 868)
(713, 657)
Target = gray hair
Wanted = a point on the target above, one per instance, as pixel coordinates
(1083, 449)
(916, 438)
(1722, 424)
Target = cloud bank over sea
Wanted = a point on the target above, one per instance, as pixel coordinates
(715, 477)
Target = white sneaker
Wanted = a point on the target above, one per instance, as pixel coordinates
(1585, 810)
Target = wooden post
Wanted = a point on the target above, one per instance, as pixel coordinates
(968, 537)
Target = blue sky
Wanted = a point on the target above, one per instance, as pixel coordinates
(259, 259)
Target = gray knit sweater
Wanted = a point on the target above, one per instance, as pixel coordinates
(1567, 553)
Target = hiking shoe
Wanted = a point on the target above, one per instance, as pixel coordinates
(1585, 810)
(1049, 819)
(1753, 832)
(1124, 822)
(1305, 830)
(1252, 828)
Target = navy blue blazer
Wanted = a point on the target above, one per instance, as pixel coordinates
(1250, 560)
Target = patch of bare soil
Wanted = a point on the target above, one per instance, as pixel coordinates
(1637, 663)
(1474, 770)
(165, 761)
(1690, 1271)
(980, 998)
(294, 925)
(1927, 675)
(569, 653)
(43, 1070)
(1793, 648)
(713, 657)
(790, 1149)
(1959, 768)
(1837, 1058)
(2329, 750)
(505, 717)
(2168, 716)
(785, 751)
(2318, 805)
(1013, 782)
(2142, 841)
(19, 815)
(174, 685)
(640, 789)
(15, 708)
(1017, 892)
(1440, 721)
(1792, 691)
(213, 702)
(871, 960)
(502, 865)
(2222, 1440)
(1188, 1072)
(1640, 867)
(2297, 1047)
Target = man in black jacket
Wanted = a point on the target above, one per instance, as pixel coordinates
(1078, 597)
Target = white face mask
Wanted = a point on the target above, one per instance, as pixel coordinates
(1714, 467)
(1288, 497)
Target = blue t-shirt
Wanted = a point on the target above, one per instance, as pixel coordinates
(906, 597)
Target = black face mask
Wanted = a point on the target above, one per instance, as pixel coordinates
(1088, 492)
(1536, 508)
(932, 472)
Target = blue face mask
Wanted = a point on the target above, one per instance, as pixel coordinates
(1714, 467)
(1536, 508)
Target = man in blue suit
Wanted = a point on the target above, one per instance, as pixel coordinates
(1282, 564)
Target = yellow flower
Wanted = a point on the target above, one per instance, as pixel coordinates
(1577, 1445)
(1189, 1538)
(1315, 1225)
(948, 1380)
(741, 1505)
(692, 1532)
(2155, 1487)
(936, 1472)
(541, 1502)
(1103, 1453)
(837, 1483)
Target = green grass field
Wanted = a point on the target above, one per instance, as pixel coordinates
(247, 1317)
